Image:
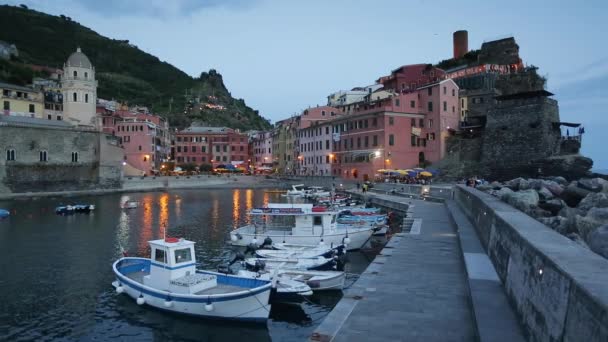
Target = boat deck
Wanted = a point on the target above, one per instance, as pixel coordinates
(219, 289)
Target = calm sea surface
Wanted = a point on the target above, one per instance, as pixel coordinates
(55, 271)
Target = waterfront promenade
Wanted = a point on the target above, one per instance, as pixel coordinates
(420, 289)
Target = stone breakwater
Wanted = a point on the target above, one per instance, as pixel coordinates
(576, 209)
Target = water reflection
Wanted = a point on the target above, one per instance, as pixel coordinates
(60, 286)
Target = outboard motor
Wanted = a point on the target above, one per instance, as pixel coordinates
(258, 266)
(238, 257)
(251, 248)
(267, 242)
(224, 269)
(341, 261)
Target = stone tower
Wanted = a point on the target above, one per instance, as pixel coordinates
(79, 90)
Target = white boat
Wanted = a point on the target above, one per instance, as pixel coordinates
(305, 224)
(258, 264)
(284, 288)
(309, 253)
(129, 205)
(169, 281)
(316, 192)
(317, 280)
(296, 190)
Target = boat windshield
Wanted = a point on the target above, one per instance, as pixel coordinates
(272, 222)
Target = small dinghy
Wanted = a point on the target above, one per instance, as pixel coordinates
(283, 287)
(129, 205)
(4, 213)
(297, 253)
(317, 280)
(169, 281)
(290, 264)
(65, 210)
(83, 208)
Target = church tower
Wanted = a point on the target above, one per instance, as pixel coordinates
(79, 90)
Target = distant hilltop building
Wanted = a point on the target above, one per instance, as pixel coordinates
(79, 90)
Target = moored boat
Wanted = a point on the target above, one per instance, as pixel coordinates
(303, 224)
(64, 210)
(317, 263)
(4, 213)
(83, 208)
(283, 289)
(308, 253)
(317, 280)
(129, 205)
(169, 281)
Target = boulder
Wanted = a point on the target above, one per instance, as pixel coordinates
(535, 184)
(598, 214)
(577, 238)
(496, 185)
(593, 200)
(560, 180)
(545, 194)
(517, 184)
(589, 184)
(585, 225)
(525, 200)
(503, 193)
(554, 205)
(557, 223)
(572, 195)
(484, 187)
(537, 212)
(598, 240)
(555, 188)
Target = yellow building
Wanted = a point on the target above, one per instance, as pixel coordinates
(21, 101)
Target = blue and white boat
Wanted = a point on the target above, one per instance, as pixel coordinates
(4, 213)
(169, 281)
(84, 208)
(65, 210)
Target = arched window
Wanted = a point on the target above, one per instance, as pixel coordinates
(43, 156)
(74, 157)
(75, 73)
(86, 98)
(86, 75)
(75, 97)
(10, 155)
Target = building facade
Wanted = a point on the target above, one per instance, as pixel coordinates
(261, 148)
(21, 101)
(210, 145)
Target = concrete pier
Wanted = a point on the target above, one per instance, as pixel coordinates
(419, 287)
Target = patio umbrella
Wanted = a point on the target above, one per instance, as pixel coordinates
(426, 174)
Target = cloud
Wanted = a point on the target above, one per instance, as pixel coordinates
(596, 69)
(141, 8)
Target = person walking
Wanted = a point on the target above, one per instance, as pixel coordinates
(358, 186)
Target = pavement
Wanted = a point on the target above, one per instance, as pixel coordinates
(415, 290)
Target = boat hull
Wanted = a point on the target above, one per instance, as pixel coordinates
(247, 305)
(358, 238)
(325, 281)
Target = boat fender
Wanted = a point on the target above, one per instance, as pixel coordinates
(321, 243)
(209, 306)
(168, 302)
(267, 241)
(141, 300)
(233, 238)
(346, 240)
(254, 240)
(120, 289)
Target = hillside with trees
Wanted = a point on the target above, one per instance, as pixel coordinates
(125, 73)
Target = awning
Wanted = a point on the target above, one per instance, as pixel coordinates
(568, 124)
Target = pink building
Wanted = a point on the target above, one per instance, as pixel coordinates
(210, 145)
(400, 132)
(411, 77)
(143, 136)
(261, 148)
(313, 140)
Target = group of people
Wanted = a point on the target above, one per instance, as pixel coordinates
(363, 187)
(474, 181)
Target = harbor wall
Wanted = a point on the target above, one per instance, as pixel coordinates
(558, 288)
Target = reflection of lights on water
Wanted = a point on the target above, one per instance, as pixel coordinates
(236, 207)
(266, 199)
(248, 204)
(163, 213)
(215, 212)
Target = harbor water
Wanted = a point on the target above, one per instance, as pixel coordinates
(56, 270)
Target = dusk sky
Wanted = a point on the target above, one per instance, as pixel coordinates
(283, 56)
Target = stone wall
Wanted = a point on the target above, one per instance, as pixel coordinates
(59, 173)
(519, 132)
(557, 287)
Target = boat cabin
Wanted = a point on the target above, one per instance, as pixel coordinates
(173, 267)
(307, 220)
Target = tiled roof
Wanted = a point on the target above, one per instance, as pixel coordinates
(15, 87)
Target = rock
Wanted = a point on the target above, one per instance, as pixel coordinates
(585, 225)
(537, 212)
(572, 195)
(545, 194)
(503, 193)
(554, 205)
(555, 188)
(496, 185)
(603, 183)
(516, 184)
(557, 223)
(593, 200)
(589, 184)
(535, 184)
(524, 200)
(598, 241)
(484, 187)
(598, 214)
(560, 180)
(577, 238)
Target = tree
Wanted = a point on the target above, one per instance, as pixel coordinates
(206, 167)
